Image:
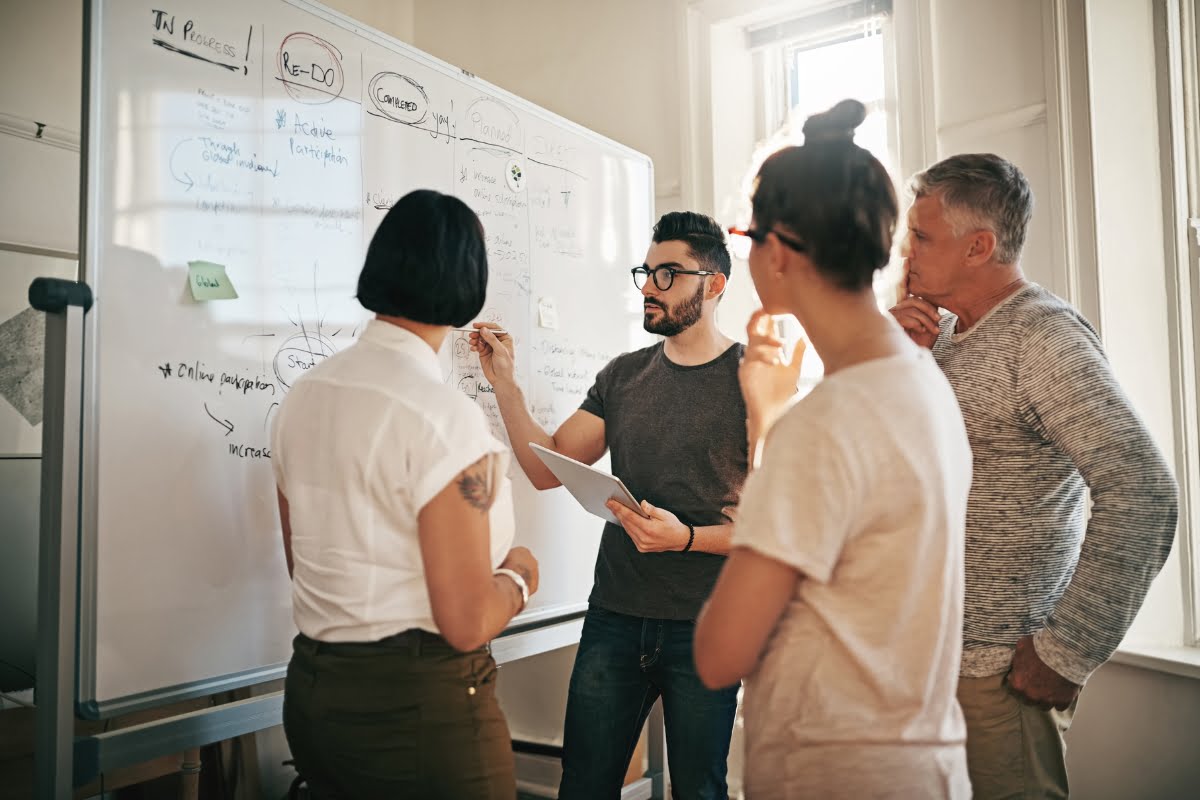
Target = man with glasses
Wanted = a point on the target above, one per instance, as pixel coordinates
(673, 418)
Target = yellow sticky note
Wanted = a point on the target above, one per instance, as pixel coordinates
(209, 281)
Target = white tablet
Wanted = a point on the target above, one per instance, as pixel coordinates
(590, 486)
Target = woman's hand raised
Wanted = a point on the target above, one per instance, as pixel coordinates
(768, 379)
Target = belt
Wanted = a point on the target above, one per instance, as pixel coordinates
(413, 640)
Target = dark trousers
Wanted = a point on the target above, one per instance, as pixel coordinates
(624, 664)
(407, 716)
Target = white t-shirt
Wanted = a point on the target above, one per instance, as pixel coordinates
(361, 443)
(863, 489)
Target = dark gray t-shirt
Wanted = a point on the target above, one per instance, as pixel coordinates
(678, 439)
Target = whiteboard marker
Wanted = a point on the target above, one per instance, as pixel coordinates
(497, 332)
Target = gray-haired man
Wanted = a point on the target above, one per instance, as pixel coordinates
(1045, 604)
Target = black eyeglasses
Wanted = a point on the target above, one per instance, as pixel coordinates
(759, 235)
(664, 276)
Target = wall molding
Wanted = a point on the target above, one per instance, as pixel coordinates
(1171, 659)
(31, 249)
(1070, 124)
(982, 127)
(912, 35)
(36, 131)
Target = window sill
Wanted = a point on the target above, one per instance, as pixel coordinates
(1171, 659)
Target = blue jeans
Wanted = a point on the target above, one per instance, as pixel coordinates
(624, 664)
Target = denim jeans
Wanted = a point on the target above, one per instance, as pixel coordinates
(623, 665)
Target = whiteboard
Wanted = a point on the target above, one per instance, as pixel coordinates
(271, 137)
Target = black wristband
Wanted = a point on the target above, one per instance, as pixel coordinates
(691, 538)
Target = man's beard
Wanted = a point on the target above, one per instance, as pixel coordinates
(674, 321)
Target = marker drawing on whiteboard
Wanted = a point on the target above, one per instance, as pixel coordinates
(267, 418)
(173, 49)
(226, 424)
(310, 69)
(186, 180)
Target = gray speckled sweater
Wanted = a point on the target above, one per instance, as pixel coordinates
(1047, 420)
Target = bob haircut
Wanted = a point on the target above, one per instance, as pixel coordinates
(427, 262)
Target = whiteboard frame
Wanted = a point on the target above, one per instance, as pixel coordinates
(91, 272)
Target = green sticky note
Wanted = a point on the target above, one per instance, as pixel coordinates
(210, 282)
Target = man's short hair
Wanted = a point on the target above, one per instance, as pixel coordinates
(427, 261)
(981, 190)
(704, 238)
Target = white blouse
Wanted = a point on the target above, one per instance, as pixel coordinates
(360, 444)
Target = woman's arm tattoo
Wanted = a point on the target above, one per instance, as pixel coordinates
(477, 486)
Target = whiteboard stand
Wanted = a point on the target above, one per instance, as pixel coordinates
(64, 303)
(63, 761)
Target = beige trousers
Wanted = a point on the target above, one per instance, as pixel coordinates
(1014, 750)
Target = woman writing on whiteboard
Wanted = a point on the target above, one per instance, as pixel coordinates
(397, 523)
(843, 597)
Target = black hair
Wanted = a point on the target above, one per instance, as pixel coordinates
(832, 195)
(427, 261)
(703, 236)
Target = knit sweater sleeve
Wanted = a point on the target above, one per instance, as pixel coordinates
(1074, 401)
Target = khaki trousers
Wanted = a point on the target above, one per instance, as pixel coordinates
(1014, 750)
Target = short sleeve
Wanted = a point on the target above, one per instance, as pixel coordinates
(439, 450)
(594, 402)
(796, 507)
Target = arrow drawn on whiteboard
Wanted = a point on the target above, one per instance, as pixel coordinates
(226, 424)
(267, 419)
(186, 180)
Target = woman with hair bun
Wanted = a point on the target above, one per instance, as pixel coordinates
(841, 602)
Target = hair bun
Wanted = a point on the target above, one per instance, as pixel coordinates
(835, 125)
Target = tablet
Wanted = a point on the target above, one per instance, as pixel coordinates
(590, 486)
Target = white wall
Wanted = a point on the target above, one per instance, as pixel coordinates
(612, 67)
(1135, 736)
(40, 63)
(990, 96)
(393, 17)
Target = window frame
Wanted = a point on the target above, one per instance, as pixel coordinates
(1177, 47)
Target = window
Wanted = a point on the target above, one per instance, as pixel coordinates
(812, 62)
(805, 65)
(1179, 71)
